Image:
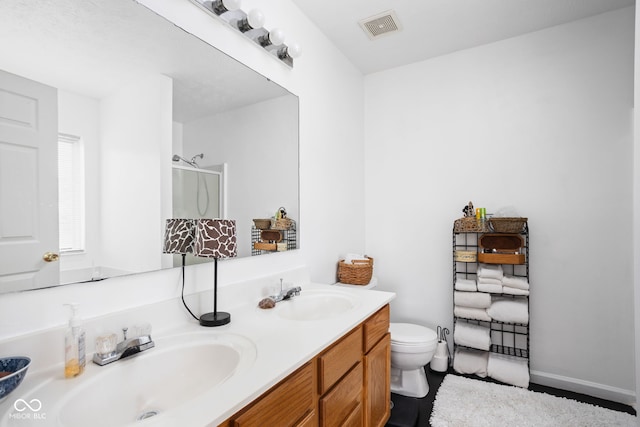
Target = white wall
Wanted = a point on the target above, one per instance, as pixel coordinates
(259, 143)
(132, 211)
(636, 200)
(540, 122)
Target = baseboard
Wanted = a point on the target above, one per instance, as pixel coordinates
(601, 391)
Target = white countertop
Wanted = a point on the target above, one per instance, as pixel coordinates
(281, 346)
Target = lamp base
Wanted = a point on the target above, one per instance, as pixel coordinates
(215, 319)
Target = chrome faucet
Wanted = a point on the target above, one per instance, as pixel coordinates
(286, 294)
(125, 348)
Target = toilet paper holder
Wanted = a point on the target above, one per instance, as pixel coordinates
(440, 361)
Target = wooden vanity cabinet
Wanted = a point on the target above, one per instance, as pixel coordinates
(347, 385)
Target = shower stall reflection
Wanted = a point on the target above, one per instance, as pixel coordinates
(197, 193)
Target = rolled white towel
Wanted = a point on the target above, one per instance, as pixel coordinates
(467, 285)
(470, 361)
(472, 299)
(515, 282)
(470, 335)
(511, 310)
(490, 270)
(514, 291)
(471, 313)
(490, 287)
(508, 369)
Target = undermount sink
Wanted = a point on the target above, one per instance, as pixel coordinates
(317, 305)
(153, 383)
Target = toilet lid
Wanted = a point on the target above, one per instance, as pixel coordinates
(408, 333)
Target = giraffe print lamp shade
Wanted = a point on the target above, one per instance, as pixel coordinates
(215, 238)
(179, 235)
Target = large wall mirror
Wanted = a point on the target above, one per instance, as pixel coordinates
(112, 120)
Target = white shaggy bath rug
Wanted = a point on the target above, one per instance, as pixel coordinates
(463, 402)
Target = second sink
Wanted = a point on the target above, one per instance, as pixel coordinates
(316, 305)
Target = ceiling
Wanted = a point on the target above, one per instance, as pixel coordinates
(432, 28)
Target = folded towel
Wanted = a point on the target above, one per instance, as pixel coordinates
(490, 287)
(470, 335)
(508, 369)
(489, 281)
(465, 285)
(514, 291)
(511, 310)
(472, 299)
(469, 361)
(349, 258)
(493, 271)
(471, 313)
(515, 282)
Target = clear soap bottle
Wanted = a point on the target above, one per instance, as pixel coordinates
(74, 346)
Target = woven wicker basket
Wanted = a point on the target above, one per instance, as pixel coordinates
(470, 225)
(262, 224)
(359, 272)
(281, 224)
(507, 225)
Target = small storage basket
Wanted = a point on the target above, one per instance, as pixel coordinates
(281, 224)
(466, 256)
(507, 225)
(469, 225)
(359, 272)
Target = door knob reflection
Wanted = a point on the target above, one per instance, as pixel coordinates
(50, 257)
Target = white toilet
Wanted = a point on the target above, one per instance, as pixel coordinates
(412, 347)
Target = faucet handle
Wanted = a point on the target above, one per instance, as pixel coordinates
(124, 333)
(141, 329)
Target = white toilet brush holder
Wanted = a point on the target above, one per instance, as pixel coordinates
(440, 361)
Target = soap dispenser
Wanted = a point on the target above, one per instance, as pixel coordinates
(74, 345)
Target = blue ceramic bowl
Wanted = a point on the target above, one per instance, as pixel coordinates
(12, 372)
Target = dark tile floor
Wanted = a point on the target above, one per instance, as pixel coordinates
(413, 412)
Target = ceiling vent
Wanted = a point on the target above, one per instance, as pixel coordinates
(381, 24)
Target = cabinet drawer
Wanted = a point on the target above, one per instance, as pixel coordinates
(337, 361)
(285, 405)
(339, 404)
(375, 327)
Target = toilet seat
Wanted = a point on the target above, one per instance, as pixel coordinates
(408, 334)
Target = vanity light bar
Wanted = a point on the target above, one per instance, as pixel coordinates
(250, 24)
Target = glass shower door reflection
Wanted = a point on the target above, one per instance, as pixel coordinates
(196, 193)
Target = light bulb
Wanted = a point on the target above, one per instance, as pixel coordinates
(221, 6)
(255, 18)
(276, 36)
(294, 50)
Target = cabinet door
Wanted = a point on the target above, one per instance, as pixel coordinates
(377, 383)
(339, 404)
(288, 404)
